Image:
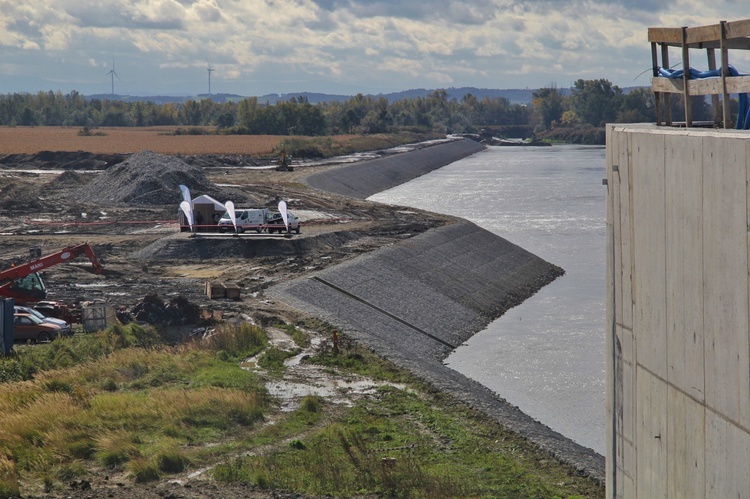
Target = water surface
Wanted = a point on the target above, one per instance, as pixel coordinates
(546, 355)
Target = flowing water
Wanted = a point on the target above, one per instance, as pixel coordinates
(547, 355)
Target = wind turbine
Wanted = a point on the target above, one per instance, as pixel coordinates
(210, 70)
(112, 75)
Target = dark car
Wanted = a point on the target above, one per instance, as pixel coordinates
(28, 327)
(275, 223)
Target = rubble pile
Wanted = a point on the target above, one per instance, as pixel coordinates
(153, 310)
(145, 178)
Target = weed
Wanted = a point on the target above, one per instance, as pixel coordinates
(9, 486)
(115, 448)
(297, 444)
(235, 341)
(312, 403)
(171, 460)
(143, 470)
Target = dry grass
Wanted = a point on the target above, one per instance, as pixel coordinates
(116, 140)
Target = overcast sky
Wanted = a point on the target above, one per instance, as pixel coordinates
(257, 47)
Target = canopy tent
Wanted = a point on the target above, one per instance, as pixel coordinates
(206, 211)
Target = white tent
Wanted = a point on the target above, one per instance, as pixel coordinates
(206, 199)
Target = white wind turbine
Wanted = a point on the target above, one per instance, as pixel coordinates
(112, 75)
(210, 70)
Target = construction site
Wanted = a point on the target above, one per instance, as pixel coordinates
(126, 208)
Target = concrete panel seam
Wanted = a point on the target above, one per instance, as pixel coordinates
(703, 404)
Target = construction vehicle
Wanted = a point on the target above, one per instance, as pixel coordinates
(23, 282)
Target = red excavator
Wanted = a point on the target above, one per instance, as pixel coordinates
(23, 282)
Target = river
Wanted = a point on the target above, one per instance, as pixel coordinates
(547, 355)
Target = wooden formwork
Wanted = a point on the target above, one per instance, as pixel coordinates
(723, 37)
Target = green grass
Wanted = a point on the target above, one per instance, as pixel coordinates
(126, 400)
(407, 445)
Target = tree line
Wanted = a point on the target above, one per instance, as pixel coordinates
(590, 103)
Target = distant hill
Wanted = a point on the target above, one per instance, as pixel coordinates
(515, 96)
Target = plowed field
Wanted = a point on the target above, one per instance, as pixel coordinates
(119, 140)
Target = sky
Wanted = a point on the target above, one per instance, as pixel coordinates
(345, 47)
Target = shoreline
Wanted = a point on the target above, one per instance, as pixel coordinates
(415, 301)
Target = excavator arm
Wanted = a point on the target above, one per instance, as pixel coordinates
(29, 285)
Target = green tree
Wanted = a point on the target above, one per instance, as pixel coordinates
(596, 102)
(548, 106)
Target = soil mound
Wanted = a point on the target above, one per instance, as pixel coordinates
(145, 178)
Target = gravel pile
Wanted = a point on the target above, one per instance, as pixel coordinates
(145, 178)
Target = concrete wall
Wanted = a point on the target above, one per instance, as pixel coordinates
(678, 349)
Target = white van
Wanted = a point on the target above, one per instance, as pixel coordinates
(247, 219)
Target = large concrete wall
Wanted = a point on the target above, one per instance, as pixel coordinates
(678, 353)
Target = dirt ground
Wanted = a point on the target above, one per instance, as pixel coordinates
(42, 207)
(143, 251)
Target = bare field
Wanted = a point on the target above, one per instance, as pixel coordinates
(126, 140)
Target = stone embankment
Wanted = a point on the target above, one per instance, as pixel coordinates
(416, 301)
(363, 179)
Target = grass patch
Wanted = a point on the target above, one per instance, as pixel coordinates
(353, 357)
(300, 338)
(272, 359)
(403, 446)
(125, 400)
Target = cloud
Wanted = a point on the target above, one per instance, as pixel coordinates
(151, 14)
(260, 46)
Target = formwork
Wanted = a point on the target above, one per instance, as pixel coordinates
(678, 349)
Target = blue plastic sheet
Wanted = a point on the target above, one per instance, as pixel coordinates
(743, 115)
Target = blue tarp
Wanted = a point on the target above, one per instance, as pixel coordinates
(743, 116)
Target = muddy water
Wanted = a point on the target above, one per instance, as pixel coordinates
(546, 355)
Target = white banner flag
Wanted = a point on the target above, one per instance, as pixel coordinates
(230, 209)
(284, 217)
(188, 211)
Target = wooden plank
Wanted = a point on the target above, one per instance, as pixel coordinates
(665, 35)
(715, 102)
(738, 29)
(704, 86)
(738, 84)
(667, 97)
(701, 34)
(687, 102)
(726, 108)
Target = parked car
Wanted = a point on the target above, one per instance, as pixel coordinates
(64, 326)
(275, 223)
(29, 327)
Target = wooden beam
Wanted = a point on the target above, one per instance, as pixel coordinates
(726, 110)
(715, 102)
(702, 34)
(686, 78)
(667, 97)
(654, 74)
(737, 29)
